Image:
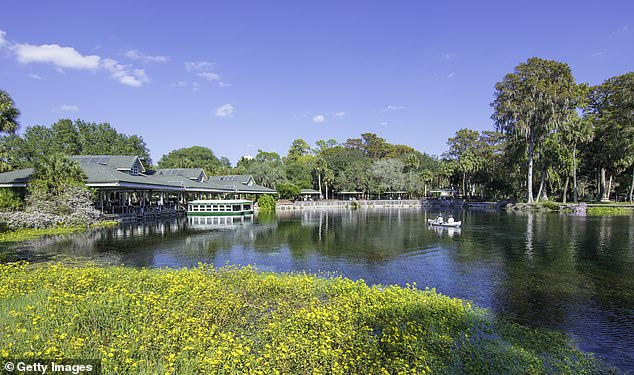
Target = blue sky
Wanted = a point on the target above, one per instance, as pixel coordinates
(238, 76)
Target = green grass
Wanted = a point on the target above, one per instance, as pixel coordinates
(607, 211)
(238, 320)
(29, 234)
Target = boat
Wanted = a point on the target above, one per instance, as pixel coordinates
(440, 222)
(219, 207)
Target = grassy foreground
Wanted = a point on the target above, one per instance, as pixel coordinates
(237, 320)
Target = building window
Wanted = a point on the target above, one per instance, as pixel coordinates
(135, 170)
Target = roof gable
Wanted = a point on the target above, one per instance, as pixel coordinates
(119, 162)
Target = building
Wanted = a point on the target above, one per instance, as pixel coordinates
(125, 187)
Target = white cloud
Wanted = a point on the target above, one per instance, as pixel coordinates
(339, 115)
(449, 56)
(125, 74)
(394, 108)
(191, 66)
(319, 119)
(3, 41)
(209, 76)
(451, 75)
(224, 84)
(69, 58)
(599, 53)
(224, 110)
(69, 108)
(135, 54)
(35, 76)
(179, 84)
(62, 57)
(384, 123)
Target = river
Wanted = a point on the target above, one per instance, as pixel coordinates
(571, 273)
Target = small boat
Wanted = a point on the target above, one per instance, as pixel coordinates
(440, 222)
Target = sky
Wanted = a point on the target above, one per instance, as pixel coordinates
(239, 76)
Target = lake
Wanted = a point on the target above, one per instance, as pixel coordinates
(572, 273)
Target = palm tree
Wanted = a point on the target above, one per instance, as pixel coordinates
(320, 167)
(55, 172)
(8, 113)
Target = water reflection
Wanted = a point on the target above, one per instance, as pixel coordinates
(574, 273)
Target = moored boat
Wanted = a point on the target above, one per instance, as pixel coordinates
(219, 207)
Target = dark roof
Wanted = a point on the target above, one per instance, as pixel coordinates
(16, 178)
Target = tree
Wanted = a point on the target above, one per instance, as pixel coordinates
(267, 169)
(611, 111)
(389, 173)
(320, 166)
(464, 150)
(72, 138)
(532, 101)
(299, 147)
(577, 131)
(193, 157)
(8, 114)
(54, 173)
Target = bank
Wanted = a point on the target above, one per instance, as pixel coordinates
(239, 320)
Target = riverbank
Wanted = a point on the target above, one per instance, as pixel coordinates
(237, 320)
(30, 234)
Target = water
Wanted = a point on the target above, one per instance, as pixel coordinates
(571, 273)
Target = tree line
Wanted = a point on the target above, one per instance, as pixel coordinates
(551, 138)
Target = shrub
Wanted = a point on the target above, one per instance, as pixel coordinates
(266, 203)
(10, 201)
(550, 205)
(72, 207)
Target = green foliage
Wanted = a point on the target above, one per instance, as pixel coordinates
(194, 157)
(71, 138)
(237, 320)
(8, 113)
(53, 173)
(9, 200)
(550, 205)
(532, 102)
(266, 203)
(267, 169)
(288, 190)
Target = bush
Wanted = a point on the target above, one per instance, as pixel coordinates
(72, 207)
(550, 205)
(288, 190)
(10, 201)
(266, 203)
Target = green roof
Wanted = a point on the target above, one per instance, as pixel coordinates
(105, 171)
(120, 162)
(16, 178)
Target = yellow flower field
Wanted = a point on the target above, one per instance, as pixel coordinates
(237, 320)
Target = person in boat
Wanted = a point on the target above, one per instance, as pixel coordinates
(439, 219)
(450, 220)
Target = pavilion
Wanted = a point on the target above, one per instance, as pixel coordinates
(124, 186)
